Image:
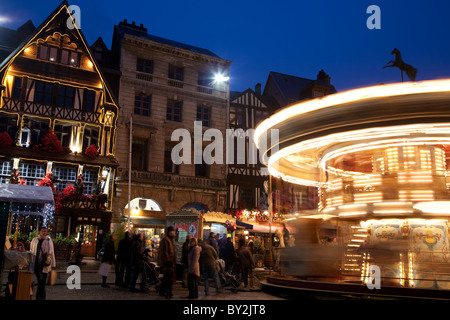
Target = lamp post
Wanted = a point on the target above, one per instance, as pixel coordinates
(129, 173)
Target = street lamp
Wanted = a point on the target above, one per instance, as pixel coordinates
(220, 78)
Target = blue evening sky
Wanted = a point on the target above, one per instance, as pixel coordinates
(293, 37)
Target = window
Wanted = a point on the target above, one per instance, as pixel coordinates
(90, 136)
(204, 79)
(142, 105)
(43, 92)
(237, 116)
(202, 170)
(39, 129)
(57, 55)
(176, 73)
(169, 166)
(43, 52)
(53, 54)
(64, 134)
(9, 124)
(90, 177)
(260, 116)
(139, 151)
(31, 173)
(174, 108)
(144, 65)
(5, 171)
(17, 88)
(204, 115)
(64, 176)
(65, 96)
(89, 100)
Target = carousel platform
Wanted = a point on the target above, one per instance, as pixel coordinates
(292, 287)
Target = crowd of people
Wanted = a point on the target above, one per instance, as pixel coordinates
(199, 260)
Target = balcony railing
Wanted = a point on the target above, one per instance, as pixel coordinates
(46, 110)
(204, 90)
(170, 179)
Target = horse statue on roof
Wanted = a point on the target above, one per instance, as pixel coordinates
(411, 72)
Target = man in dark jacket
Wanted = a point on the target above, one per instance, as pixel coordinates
(137, 249)
(184, 259)
(208, 262)
(124, 261)
(212, 241)
(246, 262)
(167, 262)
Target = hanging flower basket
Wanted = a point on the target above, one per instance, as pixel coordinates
(91, 151)
(5, 139)
(50, 143)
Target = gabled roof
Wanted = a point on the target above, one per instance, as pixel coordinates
(291, 87)
(126, 28)
(40, 31)
(10, 38)
(248, 98)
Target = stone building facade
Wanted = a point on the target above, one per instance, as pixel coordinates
(164, 86)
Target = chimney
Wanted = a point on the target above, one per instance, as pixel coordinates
(322, 76)
(258, 89)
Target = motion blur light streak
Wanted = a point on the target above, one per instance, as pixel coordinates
(379, 158)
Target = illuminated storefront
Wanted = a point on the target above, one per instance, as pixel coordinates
(378, 157)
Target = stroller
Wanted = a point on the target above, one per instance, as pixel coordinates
(149, 275)
(227, 279)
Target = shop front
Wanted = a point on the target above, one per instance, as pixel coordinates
(262, 237)
(148, 218)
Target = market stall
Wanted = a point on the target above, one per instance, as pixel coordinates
(148, 218)
(15, 196)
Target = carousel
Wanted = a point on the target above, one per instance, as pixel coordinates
(379, 158)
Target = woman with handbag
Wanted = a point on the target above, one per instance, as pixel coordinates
(42, 260)
(108, 259)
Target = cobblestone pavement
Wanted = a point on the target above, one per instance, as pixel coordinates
(91, 288)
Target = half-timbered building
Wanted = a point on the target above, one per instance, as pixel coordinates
(58, 121)
(247, 178)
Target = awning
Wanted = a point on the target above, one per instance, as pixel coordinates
(25, 193)
(244, 225)
(218, 217)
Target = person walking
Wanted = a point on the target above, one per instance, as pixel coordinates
(167, 258)
(208, 265)
(124, 261)
(42, 260)
(108, 258)
(246, 261)
(137, 249)
(193, 268)
(184, 259)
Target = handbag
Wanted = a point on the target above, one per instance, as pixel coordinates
(104, 269)
(47, 260)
